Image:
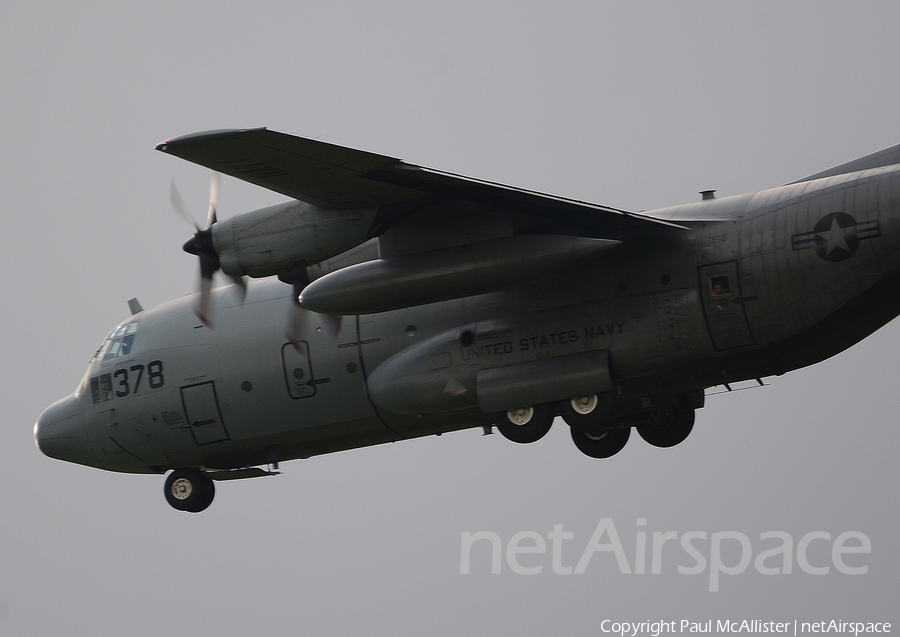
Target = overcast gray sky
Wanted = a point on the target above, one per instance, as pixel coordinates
(634, 105)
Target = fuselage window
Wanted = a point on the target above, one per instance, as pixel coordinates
(101, 388)
(718, 286)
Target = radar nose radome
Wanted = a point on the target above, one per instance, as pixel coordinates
(59, 432)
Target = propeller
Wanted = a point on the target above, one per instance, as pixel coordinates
(201, 245)
(298, 314)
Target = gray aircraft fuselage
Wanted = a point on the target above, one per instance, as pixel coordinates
(761, 284)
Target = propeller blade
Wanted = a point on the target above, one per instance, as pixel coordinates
(204, 302)
(332, 324)
(297, 314)
(240, 284)
(178, 206)
(297, 320)
(213, 199)
(208, 266)
(294, 329)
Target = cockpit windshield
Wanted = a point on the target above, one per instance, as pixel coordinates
(118, 343)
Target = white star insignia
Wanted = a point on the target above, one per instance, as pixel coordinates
(835, 237)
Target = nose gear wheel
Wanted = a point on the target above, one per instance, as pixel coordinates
(189, 490)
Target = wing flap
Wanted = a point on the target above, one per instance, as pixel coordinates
(561, 214)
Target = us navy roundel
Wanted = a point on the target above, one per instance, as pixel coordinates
(836, 236)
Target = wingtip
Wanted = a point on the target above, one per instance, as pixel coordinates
(218, 132)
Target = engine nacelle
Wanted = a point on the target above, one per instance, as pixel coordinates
(286, 236)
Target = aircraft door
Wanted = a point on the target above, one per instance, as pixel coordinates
(201, 408)
(720, 290)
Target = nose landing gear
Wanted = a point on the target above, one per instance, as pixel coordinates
(189, 490)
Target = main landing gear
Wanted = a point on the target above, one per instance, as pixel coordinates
(669, 427)
(586, 413)
(189, 490)
(598, 430)
(603, 443)
(528, 424)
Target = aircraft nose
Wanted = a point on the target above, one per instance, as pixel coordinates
(60, 433)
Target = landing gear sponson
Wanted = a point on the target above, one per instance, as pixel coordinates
(597, 427)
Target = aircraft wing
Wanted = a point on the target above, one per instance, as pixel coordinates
(886, 157)
(336, 177)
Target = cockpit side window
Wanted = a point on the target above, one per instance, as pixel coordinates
(127, 340)
(113, 349)
(118, 343)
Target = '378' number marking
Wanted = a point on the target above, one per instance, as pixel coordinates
(155, 378)
(119, 384)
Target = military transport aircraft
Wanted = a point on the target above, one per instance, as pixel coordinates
(400, 301)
